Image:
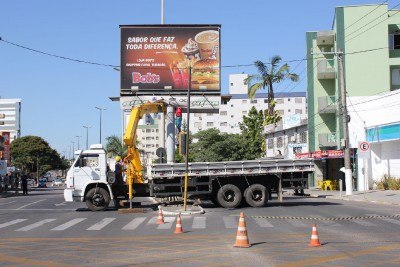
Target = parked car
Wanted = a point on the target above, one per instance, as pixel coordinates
(58, 182)
(42, 183)
(30, 182)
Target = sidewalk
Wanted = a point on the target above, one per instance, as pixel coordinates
(388, 197)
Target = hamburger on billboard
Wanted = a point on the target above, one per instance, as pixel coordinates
(162, 57)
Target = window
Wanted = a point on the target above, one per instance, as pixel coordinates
(254, 101)
(148, 138)
(394, 41)
(280, 112)
(210, 124)
(231, 84)
(299, 111)
(148, 130)
(288, 110)
(395, 76)
(303, 137)
(270, 143)
(209, 114)
(244, 112)
(223, 113)
(279, 142)
(156, 130)
(265, 100)
(298, 100)
(197, 124)
(89, 160)
(197, 114)
(231, 116)
(244, 101)
(279, 101)
(288, 99)
(231, 106)
(223, 124)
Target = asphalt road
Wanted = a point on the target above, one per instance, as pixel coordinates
(42, 230)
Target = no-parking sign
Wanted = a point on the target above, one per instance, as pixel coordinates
(364, 150)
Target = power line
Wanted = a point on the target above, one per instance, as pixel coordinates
(365, 15)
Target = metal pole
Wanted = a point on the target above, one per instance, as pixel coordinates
(347, 164)
(73, 150)
(78, 136)
(162, 11)
(87, 136)
(100, 109)
(187, 140)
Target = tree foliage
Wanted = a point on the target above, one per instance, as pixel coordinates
(114, 146)
(268, 75)
(252, 131)
(30, 152)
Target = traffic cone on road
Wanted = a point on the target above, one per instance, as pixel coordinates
(178, 228)
(160, 218)
(242, 241)
(314, 237)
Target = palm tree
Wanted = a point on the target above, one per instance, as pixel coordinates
(266, 77)
(115, 147)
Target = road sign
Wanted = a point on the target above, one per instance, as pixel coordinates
(364, 150)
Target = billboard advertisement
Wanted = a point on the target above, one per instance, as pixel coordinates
(161, 57)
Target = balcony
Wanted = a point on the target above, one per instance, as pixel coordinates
(327, 104)
(327, 140)
(325, 38)
(326, 69)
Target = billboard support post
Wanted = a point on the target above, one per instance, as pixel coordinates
(187, 141)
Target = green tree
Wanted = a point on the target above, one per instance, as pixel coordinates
(114, 146)
(268, 75)
(252, 131)
(30, 152)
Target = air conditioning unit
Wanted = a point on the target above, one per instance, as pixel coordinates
(293, 139)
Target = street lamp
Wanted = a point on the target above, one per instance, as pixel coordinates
(78, 136)
(100, 109)
(87, 135)
(73, 150)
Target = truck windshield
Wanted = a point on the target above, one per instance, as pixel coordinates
(87, 160)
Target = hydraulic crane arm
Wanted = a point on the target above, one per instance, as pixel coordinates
(132, 160)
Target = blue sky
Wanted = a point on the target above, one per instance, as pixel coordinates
(59, 96)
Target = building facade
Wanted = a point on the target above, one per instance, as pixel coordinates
(370, 68)
(10, 121)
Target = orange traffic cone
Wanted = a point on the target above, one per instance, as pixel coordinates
(242, 241)
(160, 219)
(314, 237)
(178, 228)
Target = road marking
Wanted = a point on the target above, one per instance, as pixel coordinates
(297, 223)
(7, 203)
(68, 224)
(61, 204)
(263, 222)
(134, 223)
(230, 222)
(35, 225)
(153, 220)
(361, 222)
(389, 220)
(327, 222)
(31, 204)
(100, 225)
(11, 223)
(168, 222)
(199, 223)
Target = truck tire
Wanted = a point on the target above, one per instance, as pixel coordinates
(97, 199)
(229, 196)
(256, 195)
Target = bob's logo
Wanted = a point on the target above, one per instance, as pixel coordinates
(147, 78)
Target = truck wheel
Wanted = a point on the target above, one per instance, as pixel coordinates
(97, 199)
(256, 195)
(229, 196)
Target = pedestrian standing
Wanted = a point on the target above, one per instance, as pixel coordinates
(24, 184)
(6, 182)
(16, 181)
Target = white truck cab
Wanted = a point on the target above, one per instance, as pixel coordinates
(89, 179)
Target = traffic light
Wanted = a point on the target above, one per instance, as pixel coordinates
(182, 142)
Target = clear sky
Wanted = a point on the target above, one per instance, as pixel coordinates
(59, 96)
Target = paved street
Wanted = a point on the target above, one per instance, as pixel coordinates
(41, 229)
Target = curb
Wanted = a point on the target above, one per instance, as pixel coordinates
(182, 212)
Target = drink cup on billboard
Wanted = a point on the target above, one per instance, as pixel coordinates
(207, 41)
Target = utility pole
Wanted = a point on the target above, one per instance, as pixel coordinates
(347, 165)
(100, 109)
(187, 141)
(87, 135)
(78, 136)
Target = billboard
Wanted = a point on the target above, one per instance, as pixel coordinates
(160, 58)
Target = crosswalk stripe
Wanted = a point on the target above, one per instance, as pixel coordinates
(327, 223)
(230, 222)
(68, 224)
(35, 225)
(101, 224)
(199, 223)
(262, 222)
(297, 223)
(153, 220)
(168, 222)
(134, 223)
(361, 222)
(11, 223)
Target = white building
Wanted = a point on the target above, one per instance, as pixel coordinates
(376, 120)
(11, 108)
(237, 104)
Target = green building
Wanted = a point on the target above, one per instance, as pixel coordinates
(369, 36)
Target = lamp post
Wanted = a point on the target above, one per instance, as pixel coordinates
(78, 136)
(100, 109)
(73, 150)
(87, 135)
